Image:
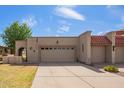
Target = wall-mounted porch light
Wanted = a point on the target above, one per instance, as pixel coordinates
(57, 42)
(30, 48)
(113, 48)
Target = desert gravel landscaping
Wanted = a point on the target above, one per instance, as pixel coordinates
(17, 76)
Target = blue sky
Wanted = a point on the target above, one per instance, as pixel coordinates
(64, 20)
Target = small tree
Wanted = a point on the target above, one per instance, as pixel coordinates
(15, 32)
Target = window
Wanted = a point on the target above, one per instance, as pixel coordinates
(46, 48)
(72, 48)
(82, 47)
(42, 48)
(67, 48)
(50, 48)
(30, 48)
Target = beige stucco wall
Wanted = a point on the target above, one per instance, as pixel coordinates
(32, 50)
(108, 54)
(37, 42)
(85, 39)
(98, 54)
(111, 55)
(119, 54)
(20, 44)
(115, 56)
(34, 44)
(12, 59)
(63, 41)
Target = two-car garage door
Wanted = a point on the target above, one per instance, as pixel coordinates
(57, 54)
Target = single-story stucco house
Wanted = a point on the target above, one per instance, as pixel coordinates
(84, 48)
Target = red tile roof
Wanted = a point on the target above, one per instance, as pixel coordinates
(119, 40)
(121, 32)
(100, 40)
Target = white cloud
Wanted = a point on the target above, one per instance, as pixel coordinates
(63, 28)
(30, 21)
(68, 12)
(100, 33)
(103, 32)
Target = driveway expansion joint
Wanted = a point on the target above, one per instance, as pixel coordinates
(79, 77)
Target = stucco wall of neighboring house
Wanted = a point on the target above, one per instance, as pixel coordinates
(111, 55)
(20, 44)
(119, 54)
(85, 47)
(98, 54)
(108, 54)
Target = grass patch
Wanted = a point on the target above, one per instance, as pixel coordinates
(17, 76)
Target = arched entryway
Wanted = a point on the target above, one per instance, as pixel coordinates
(23, 52)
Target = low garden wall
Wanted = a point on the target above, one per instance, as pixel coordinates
(12, 59)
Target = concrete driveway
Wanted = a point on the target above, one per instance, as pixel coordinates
(74, 75)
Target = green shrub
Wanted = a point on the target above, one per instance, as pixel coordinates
(111, 68)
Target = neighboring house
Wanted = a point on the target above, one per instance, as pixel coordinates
(4, 50)
(84, 48)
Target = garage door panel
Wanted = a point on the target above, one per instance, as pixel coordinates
(98, 54)
(57, 54)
